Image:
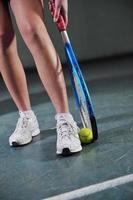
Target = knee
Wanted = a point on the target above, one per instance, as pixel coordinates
(31, 33)
(6, 39)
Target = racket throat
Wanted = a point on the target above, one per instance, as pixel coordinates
(65, 37)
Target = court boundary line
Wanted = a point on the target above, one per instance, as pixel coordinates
(88, 190)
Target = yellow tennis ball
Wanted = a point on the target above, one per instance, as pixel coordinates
(85, 135)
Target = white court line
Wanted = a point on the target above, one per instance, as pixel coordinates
(93, 188)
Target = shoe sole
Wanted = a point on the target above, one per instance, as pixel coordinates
(15, 144)
(35, 133)
(68, 152)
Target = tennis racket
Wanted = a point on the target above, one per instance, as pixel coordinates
(81, 92)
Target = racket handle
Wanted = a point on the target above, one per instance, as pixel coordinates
(60, 23)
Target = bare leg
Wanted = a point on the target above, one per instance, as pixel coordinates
(10, 64)
(29, 17)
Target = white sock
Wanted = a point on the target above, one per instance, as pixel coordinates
(26, 114)
(63, 117)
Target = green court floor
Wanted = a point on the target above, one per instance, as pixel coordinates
(34, 171)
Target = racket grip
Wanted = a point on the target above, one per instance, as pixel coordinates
(60, 22)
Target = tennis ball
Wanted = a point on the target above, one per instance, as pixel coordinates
(85, 135)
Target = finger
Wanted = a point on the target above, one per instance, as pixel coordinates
(57, 13)
(51, 7)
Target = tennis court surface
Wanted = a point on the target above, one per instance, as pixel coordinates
(103, 170)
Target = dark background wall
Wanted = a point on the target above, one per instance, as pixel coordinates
(97, 28)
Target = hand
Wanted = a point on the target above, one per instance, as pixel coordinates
(61, 6)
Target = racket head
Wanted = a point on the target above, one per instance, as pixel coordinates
(81, 92)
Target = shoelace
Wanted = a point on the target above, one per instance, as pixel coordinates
(22, 123)
(66, 129)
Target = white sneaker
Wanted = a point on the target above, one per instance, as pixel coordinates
(68, 141)
(26, 128)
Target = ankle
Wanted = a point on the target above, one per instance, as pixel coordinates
(26, 114)
(63, 116)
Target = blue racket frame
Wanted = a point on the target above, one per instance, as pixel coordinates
(75, 70)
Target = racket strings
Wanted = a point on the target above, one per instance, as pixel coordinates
(83, 104)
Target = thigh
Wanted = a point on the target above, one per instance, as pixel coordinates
(5, 19)
(27, 12)
(6, 28)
